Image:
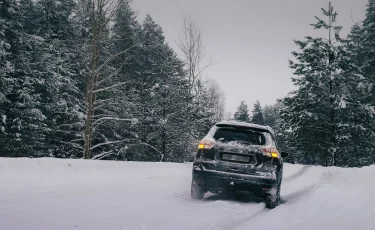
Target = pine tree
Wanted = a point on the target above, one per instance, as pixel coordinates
(360, 110)
(26, 126)
(319, 116)
(271, 115)
(367, 36)
(310, 111)
(242, 113)
(72, 83)
(272, 118)
(356, 46)
(8, 43)
(62, 93)
(257, 114)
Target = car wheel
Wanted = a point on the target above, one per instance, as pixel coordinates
(197, 193)
(272, 201)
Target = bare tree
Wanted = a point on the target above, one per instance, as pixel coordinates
(98, 14)
(216, 99)
(191, 44)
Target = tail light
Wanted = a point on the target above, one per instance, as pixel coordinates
(271, 152)
(206, 144)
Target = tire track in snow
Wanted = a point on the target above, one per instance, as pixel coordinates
(290, 198)
(135, 207)
(294, 196)
(239, 218)
(251, 207)
(229, 225)
(297, 174)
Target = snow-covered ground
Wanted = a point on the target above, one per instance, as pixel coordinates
(75, 194)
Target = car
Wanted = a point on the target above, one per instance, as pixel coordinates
(238, 156)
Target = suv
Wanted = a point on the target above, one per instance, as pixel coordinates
(238, 156)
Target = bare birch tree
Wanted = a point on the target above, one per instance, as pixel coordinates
(98, 13)
(216, 100)
(191, 44)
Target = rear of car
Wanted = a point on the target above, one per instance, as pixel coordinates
(237, 156)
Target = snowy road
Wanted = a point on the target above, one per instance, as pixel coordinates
(75, 194)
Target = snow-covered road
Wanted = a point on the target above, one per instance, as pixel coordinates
(75, 194)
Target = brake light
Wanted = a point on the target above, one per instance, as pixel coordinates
(271, 152)
(206, 144)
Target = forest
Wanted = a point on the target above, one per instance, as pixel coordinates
(88, 79)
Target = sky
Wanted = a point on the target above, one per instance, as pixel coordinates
(250, 41)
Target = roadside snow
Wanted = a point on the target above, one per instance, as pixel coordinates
(75, 194)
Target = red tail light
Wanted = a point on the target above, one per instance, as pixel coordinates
(271, 152)
(206, 144)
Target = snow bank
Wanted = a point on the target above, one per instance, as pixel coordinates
(78, 194)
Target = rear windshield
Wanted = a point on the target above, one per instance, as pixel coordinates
(241, 136)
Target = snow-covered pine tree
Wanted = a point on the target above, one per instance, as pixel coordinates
(26, 123)
(170, 98)
(164, 130)
(356, 45)
(242, 113)
(152, 60)
(316, 116)
(272, 118)
(271, 114)
(359, 103)
(257, 114)
(61, 94)
(8, 44)
(367, 37)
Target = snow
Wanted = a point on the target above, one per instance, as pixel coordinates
(342, 103)
(36, 38)
(76, 194)
(4, 118)
(245, 124)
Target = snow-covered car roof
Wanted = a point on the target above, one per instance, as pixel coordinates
(248, 125)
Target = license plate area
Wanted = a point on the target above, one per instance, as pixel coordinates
(236, 158)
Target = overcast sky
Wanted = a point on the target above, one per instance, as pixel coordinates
(250, 41)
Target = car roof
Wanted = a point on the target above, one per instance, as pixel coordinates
(247, 125)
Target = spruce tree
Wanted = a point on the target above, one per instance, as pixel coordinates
(242, 113)
(257, 114)
(319, 116)
(61, 72)
(367, 36)
(8, 44)
(27, 124)
(310, 118)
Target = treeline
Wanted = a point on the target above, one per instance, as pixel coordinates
(87, 79)
(329, 119)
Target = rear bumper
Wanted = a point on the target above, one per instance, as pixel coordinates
(218, 181)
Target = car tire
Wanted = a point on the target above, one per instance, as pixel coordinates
(197, 193)
(272, 201)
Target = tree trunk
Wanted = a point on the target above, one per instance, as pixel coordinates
(89, 99)
(331, 95)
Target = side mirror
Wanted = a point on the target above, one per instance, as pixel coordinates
(284, 154)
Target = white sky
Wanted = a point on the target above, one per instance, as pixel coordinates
(250, 41)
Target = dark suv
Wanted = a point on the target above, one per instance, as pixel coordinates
(237, 156)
